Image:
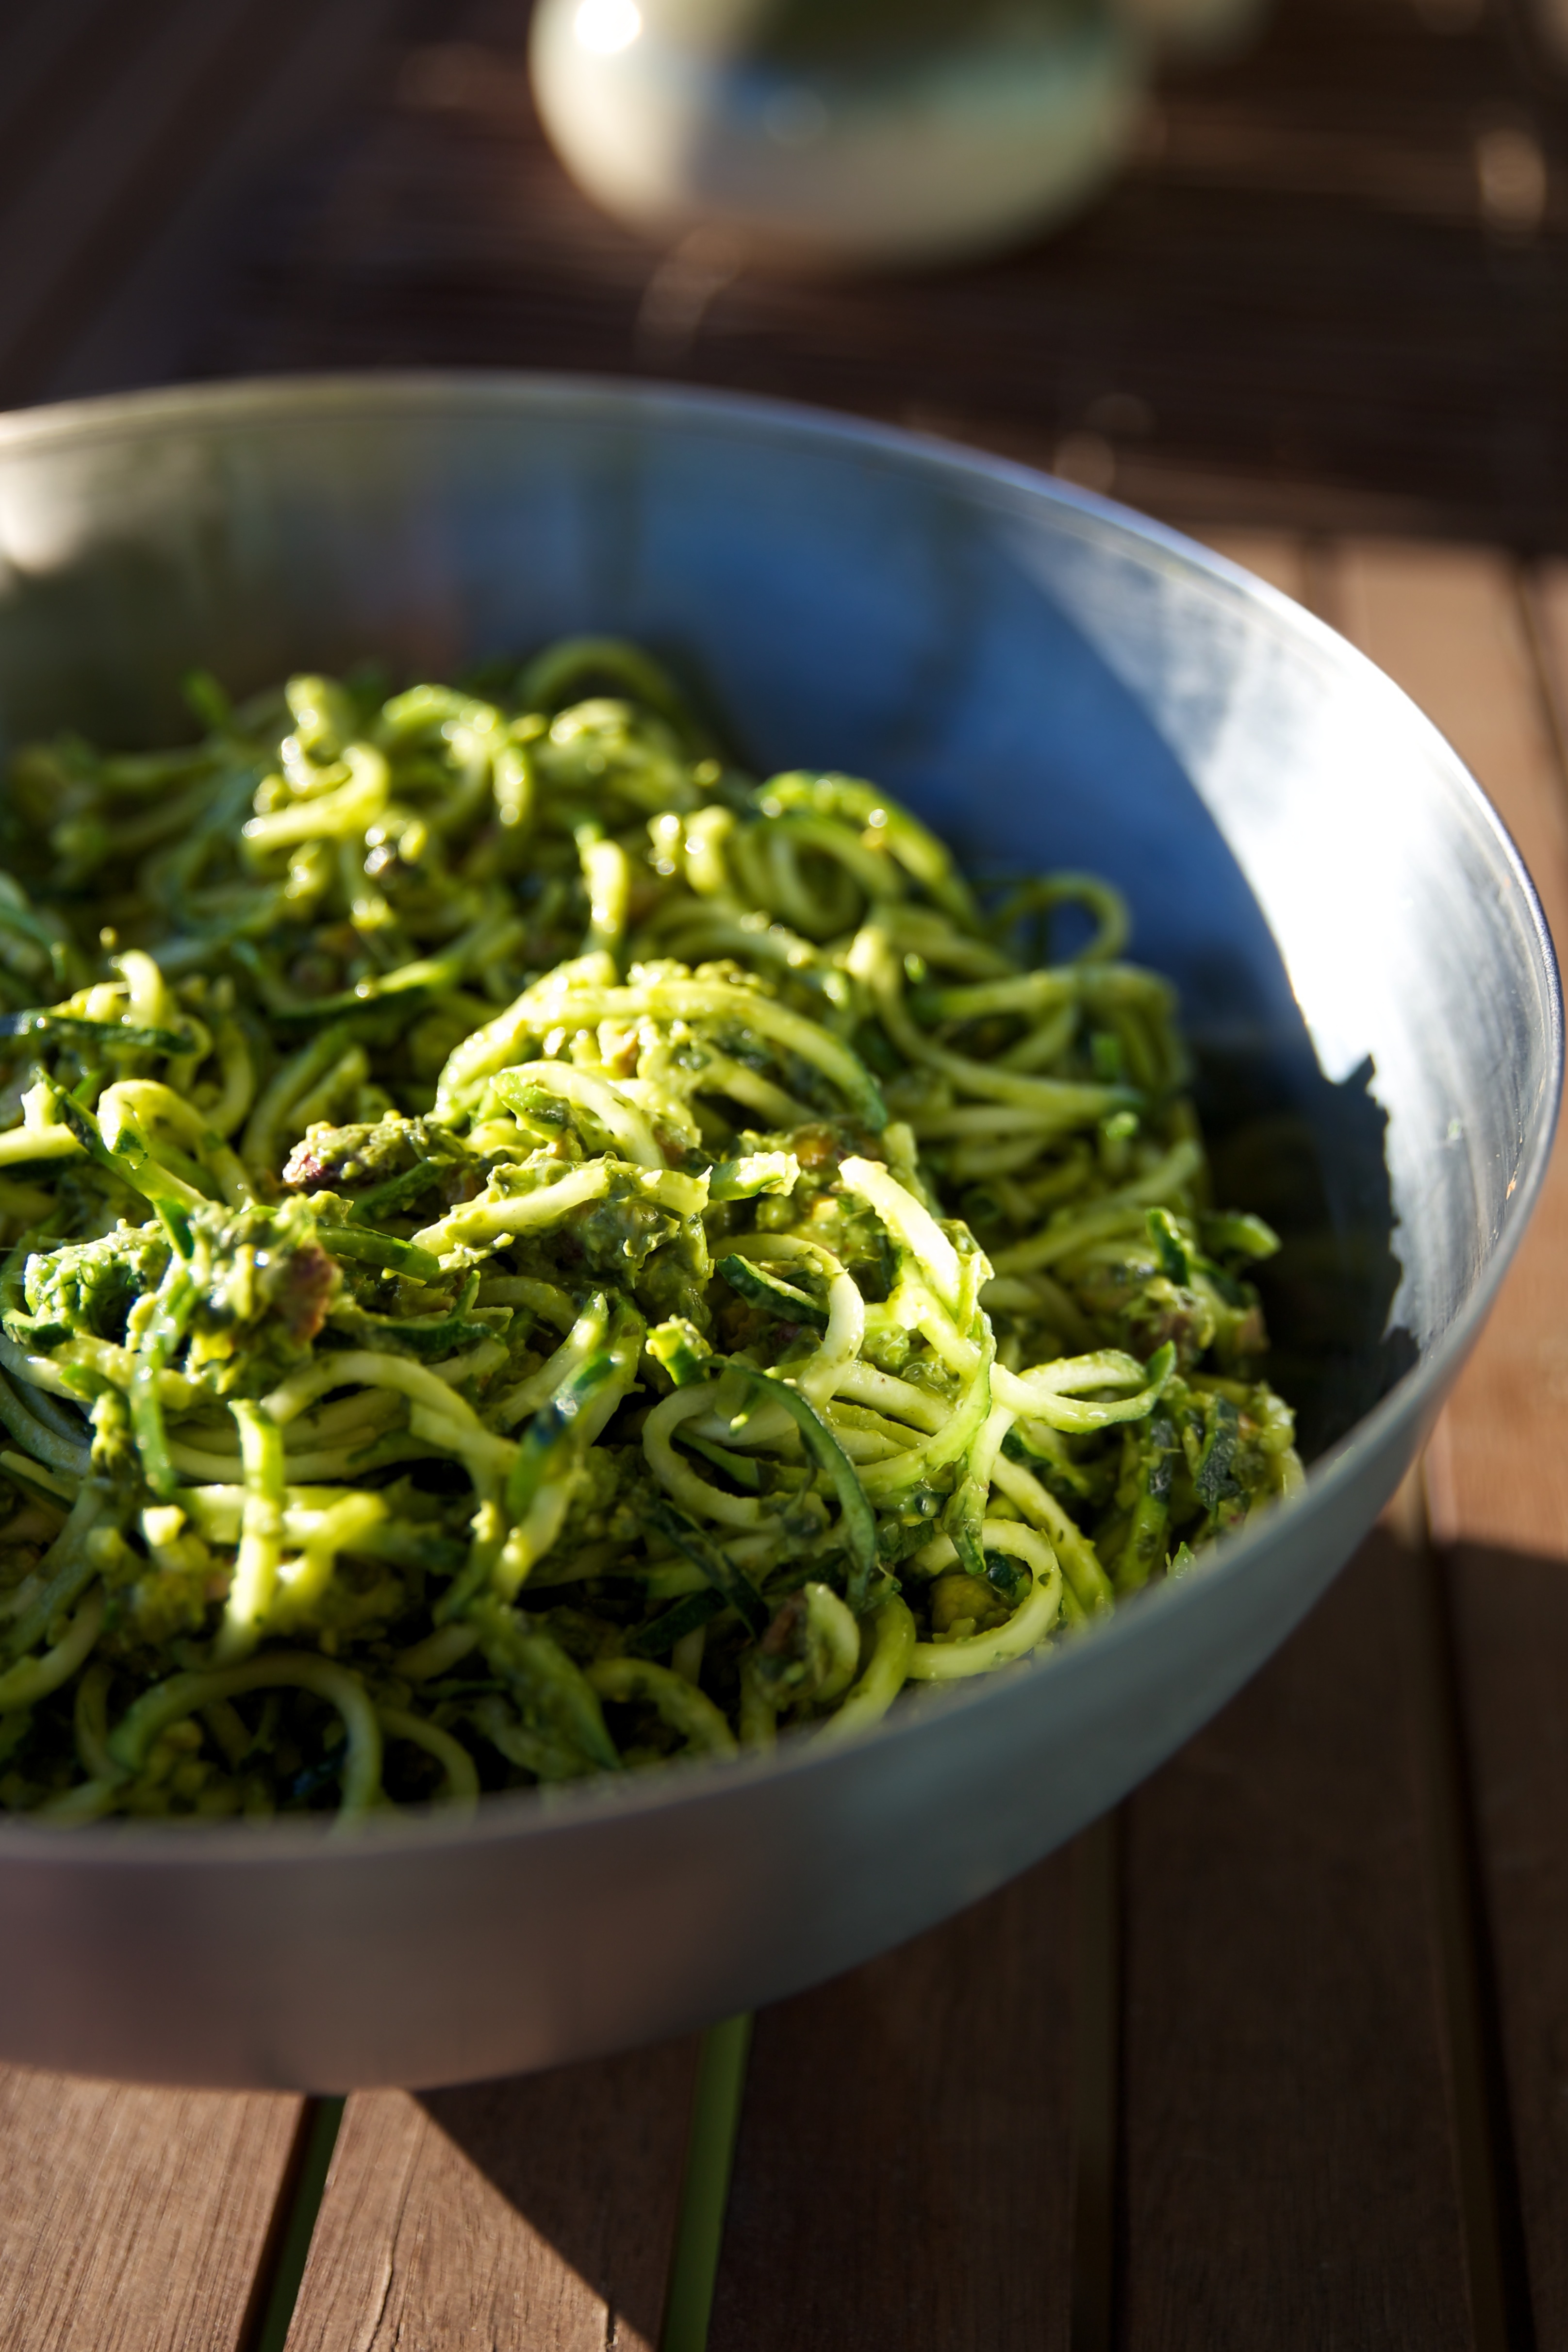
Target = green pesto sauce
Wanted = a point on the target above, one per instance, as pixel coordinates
(527, 1253)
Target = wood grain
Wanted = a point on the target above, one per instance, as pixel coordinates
(1456, 632)
(903, 2175)
(134, 2220)
(1288, 2169)
(1449, 625)
(532, 2215)
(1511, 1616)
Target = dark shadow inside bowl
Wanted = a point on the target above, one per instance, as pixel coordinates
(1006, 744)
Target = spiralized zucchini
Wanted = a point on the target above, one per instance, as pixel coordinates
(527, 1253)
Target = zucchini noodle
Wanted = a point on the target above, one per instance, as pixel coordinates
(527, 1253)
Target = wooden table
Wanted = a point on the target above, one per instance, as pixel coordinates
(1278, 2057)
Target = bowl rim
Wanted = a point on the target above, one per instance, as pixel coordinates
(606, 1800)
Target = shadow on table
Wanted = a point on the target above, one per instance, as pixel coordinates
(588, 2159)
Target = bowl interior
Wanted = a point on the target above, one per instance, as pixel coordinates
(1365, 979)
(1050, 687)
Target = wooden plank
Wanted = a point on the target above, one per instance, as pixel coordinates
(1311, 572)
(135, 2221)
(1279, 556)
(904, 2168)
(1511, 1618)
(530, 2215)
(1454, 630)
(1289, 2177)
(1448, 625)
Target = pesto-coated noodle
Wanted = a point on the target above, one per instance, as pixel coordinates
(525, 1253)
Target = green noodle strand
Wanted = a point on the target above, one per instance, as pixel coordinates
(526, 1252)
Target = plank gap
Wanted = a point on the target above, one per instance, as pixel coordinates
(1287, 2174)
(1321, 581)
(276, 2290)
(903, 2173)
(1096, 2068)
(1491, 2208)
(136, 2219)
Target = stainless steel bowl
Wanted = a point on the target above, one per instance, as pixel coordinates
(1054, 681)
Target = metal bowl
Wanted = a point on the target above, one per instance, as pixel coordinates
(1053, 682)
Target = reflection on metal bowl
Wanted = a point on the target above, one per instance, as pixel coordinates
(1366, 979)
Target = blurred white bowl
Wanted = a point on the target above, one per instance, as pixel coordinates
(678, 114)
